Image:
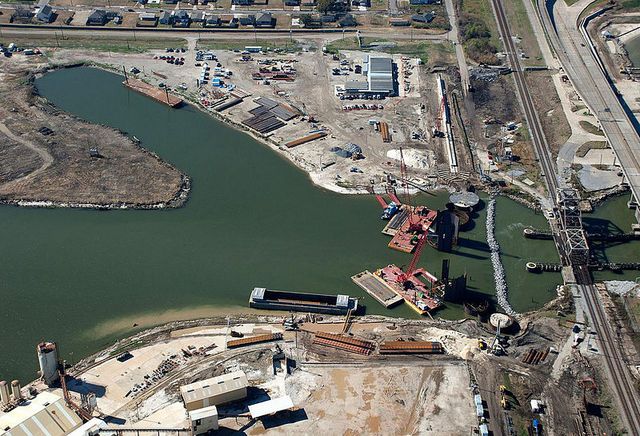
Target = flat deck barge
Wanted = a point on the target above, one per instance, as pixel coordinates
(396, 221)
(158, 94)
(263, 298)
(420, 296)
(405, 238)
(377, 288)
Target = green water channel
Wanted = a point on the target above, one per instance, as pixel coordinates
(83, 277)
(633, 49)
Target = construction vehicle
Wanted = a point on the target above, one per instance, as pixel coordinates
(503, 397)
(482, 344)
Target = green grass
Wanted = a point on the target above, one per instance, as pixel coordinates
(429, 52)
(95, 42)
(588, 127)
(521, 25)
(591, 145)
(231, 44)
(479, 31)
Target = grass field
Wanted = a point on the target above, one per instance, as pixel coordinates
(95, 42)
(431, 53)
(521, 26)
(588, 127)
(479, 30)
(591, 145)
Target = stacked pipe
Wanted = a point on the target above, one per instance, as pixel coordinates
(498, 269)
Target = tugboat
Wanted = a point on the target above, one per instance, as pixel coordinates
(389, 211)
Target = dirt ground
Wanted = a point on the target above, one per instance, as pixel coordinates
(58, 167)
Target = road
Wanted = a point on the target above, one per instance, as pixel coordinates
(453, 37)
(579, 62)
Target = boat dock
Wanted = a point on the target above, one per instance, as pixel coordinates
(158, 94)
(377, 288)
(404, 239)
(262, 298)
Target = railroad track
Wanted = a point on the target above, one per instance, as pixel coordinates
(538, 138)
(618, 370)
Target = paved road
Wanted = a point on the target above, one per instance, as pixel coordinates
(577, 58)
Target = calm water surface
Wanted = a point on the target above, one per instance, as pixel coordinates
(82, 278)
(633, 48)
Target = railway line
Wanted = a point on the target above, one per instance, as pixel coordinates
(619, 374)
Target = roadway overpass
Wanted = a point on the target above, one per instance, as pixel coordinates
(580, 62)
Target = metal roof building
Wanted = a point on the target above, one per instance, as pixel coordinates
(215, 391)
(46, 414)
(380, 75)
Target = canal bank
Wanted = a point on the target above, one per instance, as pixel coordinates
(84, 277)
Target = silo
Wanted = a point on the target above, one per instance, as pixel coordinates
(48, 360)
(4, 392)
(15, 390)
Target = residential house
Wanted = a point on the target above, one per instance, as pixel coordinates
(166, 18)
(46, 14)
(292, 2)
(97, 18)
(347, 21)
(365, 3)
(247, 20)
(265, 20)
(21, 15)
(211, 21)
(181, 19)
(424, 2)
(229, 21)
(423, 18)
(197, 17)
(147, 19)
(242, 2)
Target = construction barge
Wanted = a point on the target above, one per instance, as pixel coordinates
(267, 299)
(377, 288)
(420, 296)
(158, 94)
(419, 220)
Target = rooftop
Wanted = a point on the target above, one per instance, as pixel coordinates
(214, 386)
(45, 414)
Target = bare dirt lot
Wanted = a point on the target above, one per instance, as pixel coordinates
(54, 166)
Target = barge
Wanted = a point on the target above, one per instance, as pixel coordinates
(262, 298)
(158, 94)
(420, 296)
(406, 238)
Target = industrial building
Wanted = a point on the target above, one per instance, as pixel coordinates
(381, 77)
(45, 414)
(204, 420)
(48, 362)
(215, 391)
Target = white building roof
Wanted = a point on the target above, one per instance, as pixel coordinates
(46, 414)
(205, 412)
(271, 406)
(212, 387)
(89, 427)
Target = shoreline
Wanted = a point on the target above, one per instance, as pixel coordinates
(178, 200)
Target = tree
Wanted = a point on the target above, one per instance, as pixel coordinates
(324, 6)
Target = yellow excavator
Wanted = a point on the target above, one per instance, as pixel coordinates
(503, 398)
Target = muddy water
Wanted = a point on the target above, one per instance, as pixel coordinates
(84, 278)
(633, 49)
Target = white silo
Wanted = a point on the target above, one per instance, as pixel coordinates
(4, 392)
(15, 390)
(48, 360)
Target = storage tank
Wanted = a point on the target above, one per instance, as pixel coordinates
(48, 360)
(15, 390)
(503, 320)
(4, 392)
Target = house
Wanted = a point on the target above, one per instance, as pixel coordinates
(171, 2)
(328, 18)
(423, 18)
(166, 18)
(365, 3)
(97, 18)
(181, 19)
(292, 2)
(242, 2)
(347, 21)
(247, 20)
(424, 2)
(229, 21)
(197, 16)
(21, 15)
(398, 22)
(211, 21)
(265, 20)
(46, 14)
(147, 19)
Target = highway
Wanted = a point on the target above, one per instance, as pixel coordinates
(590, 80)
(618, 372)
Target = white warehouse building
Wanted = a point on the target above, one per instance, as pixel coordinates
(380, 77)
